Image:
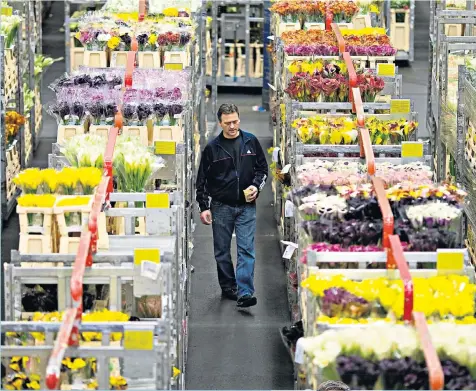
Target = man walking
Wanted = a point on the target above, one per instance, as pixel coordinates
(233, 170)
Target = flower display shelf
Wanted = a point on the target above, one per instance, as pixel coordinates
(400, 31)
(149, 60)
(176, 60)
(153, 359)
(138, 131)
(118, 59)
(95, 58)
(65, 132)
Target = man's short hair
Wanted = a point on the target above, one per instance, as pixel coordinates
(227, 108)
(333, 386)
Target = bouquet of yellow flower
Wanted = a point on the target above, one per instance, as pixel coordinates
(29, 180)
(323, 130)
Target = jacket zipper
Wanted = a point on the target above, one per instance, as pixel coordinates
(234, 164)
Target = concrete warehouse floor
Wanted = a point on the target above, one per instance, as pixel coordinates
(230, 349)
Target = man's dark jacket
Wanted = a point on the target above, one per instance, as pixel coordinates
(223, 179)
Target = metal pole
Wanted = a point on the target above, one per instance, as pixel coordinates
(267, 64)
(248, 51)
(214, 57)
(3, 143)
(31, 47)
(19, 94)
(67, 36)
(411, 55)
(223, 46)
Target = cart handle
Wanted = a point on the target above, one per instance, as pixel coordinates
(131, 63)
(98, 202)
(387, 215)
(142, 10)
(329, 19)
(108, 157)
(433, 364)
(339, 37)
(396, 252)
(53, 368)
(352, 81)
(79, 267)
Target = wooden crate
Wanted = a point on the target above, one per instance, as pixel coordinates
(95, 58)
(400, 32)
(374, 60)
(65, 132)
(100, 130)
(36, 244)
(176, 60)
(38, 110)
(60, 215)
(282, 27)
(138, 131)
(11, 76)
(118, 59)
(362, 21)
(150, 60)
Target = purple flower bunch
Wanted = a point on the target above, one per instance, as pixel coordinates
(173, 94)
(338, 302)
(345, 233)
(102, 112)
(374, 50)
(311, 50)
(357, 372)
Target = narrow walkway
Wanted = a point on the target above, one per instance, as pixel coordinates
(230, 349)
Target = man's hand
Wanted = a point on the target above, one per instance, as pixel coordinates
(253, 193)
(206, 217)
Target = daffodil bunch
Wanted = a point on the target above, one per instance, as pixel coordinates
(326, 130)
(29, 180)
(313, 66)
(37, 200)
(67, 181)
(384, 132)
(21, 381)
(439, 297)
(115, 383)
(89, 178)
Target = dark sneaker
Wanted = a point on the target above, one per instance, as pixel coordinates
(246, 301)
(230, 293)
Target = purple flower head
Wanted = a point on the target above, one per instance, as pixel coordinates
(126, 39)
(160, 93)
(78, 110)
(175, 109)
(160, 110)
(184, 38)
(142, 39)
(110, 109)
(144, 110)
(128, 111)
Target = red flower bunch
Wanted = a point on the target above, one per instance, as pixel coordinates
(369, 85)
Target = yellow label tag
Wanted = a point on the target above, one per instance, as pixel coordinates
(449, 260)
(400, 106)
(386, 69)
(7, 11)
(165, 147)
(138, 340)
(412, 149)
(173, 67)
(146, 254)
(160, 200)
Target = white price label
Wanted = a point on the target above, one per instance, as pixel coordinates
(288, 209)
(291, 247)
(299, 354)
(275, 154)
(286, 169)
(149, 270)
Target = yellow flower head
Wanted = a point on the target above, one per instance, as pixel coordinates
(49, 179)
(113, 42)
(152, 39)
(171, 12)
(28, 180)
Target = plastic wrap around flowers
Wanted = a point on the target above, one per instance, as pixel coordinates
(133, 163)
(324, 43)
(350, 215)
(343, 130)
(315, 11)
(340, 173)
(390, 357)
(332, 85)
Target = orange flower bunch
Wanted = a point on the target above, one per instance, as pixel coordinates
(286, 8)
(309, 37)
(367, 40)
(13, 121)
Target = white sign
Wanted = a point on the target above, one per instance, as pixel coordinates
(299, 354)
(275, 154)
(291, 247)
(288, 209)
(286, 169)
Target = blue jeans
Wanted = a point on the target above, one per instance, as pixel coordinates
(241, 219)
